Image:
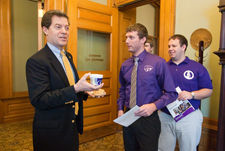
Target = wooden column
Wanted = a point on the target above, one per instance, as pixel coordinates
(167, 26)
(6, 85)
(221, 54)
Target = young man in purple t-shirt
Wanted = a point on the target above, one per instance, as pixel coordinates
(195, 83)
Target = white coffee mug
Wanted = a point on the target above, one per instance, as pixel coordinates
(96, 79)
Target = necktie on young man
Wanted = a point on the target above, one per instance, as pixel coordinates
(133, 83)
(69, 74)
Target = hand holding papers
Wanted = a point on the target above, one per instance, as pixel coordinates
(128, 118)
(180, 109)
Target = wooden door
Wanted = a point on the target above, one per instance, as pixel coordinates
(126, 18)
(89, 16)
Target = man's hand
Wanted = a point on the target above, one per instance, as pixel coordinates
(90, 93)
(83, 85)
(146, 110)
(184, 95)
(120, 113)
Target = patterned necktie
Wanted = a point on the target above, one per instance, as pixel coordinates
(133, 83)
(70, 76)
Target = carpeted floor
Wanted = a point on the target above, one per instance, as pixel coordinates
(18, 137)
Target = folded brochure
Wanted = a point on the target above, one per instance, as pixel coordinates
(180, 109)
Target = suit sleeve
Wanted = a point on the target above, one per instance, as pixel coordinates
(46, 88)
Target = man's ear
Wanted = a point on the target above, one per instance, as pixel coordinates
(45, 30)
(143, 40)
(184, 47)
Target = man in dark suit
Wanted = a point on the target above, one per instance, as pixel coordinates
(55, 125)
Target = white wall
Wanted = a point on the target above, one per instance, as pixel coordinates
(146, 15)
(194, 14)
(24, 39)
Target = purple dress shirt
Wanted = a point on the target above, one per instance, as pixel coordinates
(154, 82)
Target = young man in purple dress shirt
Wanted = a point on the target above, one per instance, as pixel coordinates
(195, 83)
(155, 89)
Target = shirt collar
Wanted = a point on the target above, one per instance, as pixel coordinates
(141, 56)
(186, 60)
(54, 49)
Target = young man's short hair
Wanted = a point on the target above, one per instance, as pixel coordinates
(141, 29)
(150, 41)
(181, 38)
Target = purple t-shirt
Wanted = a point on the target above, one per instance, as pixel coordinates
(154, 82)
(190, 76)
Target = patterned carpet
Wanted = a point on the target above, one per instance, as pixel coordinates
(18, 137)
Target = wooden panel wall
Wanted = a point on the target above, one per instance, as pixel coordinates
(14, 106)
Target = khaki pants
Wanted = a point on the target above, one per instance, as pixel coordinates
(187, 131)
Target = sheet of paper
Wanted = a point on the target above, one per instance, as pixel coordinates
(128, 118)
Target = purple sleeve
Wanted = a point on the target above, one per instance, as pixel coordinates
(165, 81)
(122, 92)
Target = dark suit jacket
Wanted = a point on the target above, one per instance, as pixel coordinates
(54, 128)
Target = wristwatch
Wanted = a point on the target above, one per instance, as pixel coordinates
(193, 95)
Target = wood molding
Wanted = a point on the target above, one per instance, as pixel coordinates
(6, 88)
(55, 4)
(16, 109)
(167, 26)
(123, 2)
(5, 53)
(139, 3)
(210, 123)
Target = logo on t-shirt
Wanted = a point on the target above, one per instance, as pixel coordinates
(148, 68)
(188, 74)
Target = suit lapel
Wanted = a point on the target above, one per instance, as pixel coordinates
(56, 65)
